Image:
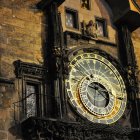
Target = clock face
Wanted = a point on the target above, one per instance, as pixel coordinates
(95, 88)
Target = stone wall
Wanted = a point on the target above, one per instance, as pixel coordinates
(22, 37)
(136, 43)
(20, 34)
(21, 28)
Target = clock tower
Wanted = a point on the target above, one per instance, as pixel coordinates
(91, 77)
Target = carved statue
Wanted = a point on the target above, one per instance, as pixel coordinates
(90, 29)
(85, 4)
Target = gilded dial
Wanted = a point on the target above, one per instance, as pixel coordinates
(96, 88)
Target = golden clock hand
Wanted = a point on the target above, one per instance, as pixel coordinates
(98, 91)
(103, 95)
(120, 98)
(91, 86)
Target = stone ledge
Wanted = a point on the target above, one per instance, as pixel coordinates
(5, 80)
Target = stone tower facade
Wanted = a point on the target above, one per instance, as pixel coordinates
(36, 38)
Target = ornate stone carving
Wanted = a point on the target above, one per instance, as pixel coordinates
(22, 68)
(57, 52)
(85, 4)
(64, 130)
(90, 28)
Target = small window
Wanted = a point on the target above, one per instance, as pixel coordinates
(71, 18)
(101, 27)
(85, 4)
(32, 100)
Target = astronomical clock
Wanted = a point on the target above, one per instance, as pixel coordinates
(95, 87)
(90, 95)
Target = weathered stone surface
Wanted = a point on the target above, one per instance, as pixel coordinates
(2, 124)
(3, 135)
(22, 34)
(136, 42)
(20, 38)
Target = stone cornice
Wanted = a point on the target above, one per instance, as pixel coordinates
(28, 69)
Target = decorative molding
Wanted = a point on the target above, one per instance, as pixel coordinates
(28, 69)
(72, 38)
(65, 130)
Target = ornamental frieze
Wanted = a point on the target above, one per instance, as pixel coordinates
(64, 130)
(22, 68)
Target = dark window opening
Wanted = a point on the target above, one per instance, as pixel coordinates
(101, 27)
(71, 18)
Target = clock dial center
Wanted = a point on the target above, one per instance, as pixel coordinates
(97, 94)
